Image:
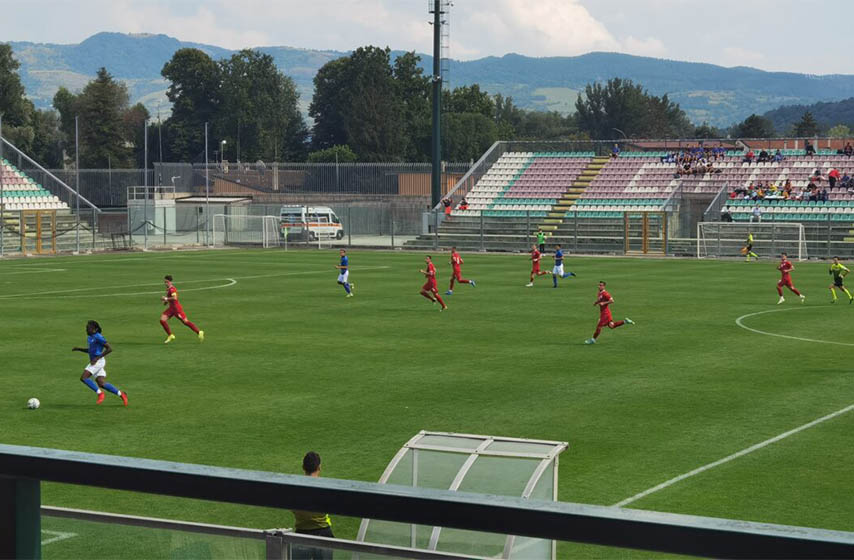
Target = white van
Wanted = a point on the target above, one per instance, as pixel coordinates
(315, 221)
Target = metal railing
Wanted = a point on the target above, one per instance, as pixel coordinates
(23, 468)
(713, 211)
(279, 544)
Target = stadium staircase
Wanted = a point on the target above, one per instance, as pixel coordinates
(555, 217)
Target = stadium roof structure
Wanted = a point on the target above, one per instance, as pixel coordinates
(494, 465)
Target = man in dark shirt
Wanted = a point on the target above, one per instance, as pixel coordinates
(310, 522)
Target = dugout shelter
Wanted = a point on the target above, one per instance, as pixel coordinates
(494, 465)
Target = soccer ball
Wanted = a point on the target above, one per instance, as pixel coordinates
(33, 403)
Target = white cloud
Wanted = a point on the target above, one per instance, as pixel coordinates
(737, 56)
(644, 47)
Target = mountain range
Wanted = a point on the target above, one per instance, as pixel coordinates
(708, 93)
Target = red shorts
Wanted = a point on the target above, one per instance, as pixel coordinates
(430, 286)
(457, 275)
(172, 312)
(535, 269)
(604, 320)
(785, 282)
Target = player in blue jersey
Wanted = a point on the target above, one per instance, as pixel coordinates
(557, 270)
(98, 348)
(344, 273)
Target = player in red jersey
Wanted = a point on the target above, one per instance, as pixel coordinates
(536, 256)
(785, 268)
(456, 274)
(175, 310)
(430, 289)
(603, 300)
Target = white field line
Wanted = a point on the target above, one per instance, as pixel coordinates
(231, 282)
(732, 457)
(57, 536)
(740, 323)
(37, 271)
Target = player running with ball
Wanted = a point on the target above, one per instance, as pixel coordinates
(536, 257)
(175, 310)
(785, 268)
(603, 301)
(456, 273)
(430, 289)
(839, 271)
(98, 348)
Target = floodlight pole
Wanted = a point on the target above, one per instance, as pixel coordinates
(436, 172)
(207, 192)
(145, 184)
(77, 177)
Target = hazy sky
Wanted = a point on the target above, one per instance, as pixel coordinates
(811, 36)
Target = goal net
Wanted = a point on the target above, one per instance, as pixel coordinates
(238, 229)
(729, 239)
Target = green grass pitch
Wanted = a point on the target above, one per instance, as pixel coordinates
(290, 364)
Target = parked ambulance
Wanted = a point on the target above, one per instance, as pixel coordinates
(317, 222)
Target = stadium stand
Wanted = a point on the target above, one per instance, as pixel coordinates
(579, 199)
(523, 182)
(20, 192)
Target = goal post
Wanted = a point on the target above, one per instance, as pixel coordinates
(728, 239)
(244, 230)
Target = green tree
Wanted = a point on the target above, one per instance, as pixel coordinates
(335, 154)
(101, 108)
(14, 106)
(47, 139)
(259, 112)
(415, 94)
(707, 131)
(195, 93)
(358, 102)
(468, 136)
(839, 131)
(753, 126)
(807, 126)
(623, 105)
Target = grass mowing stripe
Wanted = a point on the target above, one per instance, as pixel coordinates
(736, 455)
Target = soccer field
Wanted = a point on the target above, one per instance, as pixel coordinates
(289, 364)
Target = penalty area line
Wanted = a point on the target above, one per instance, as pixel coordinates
(57, 536)
(740, 323)
(732, 457)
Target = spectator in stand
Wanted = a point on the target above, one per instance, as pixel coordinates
(809, 148)
(464, 205)
(748, 157)
(447, 203)
(824, 196)
(734, 194)
(615, 151)
(764, 157)
(756, 214)
(726, 215)
(816, 177)
(849, 149)
(845, 181)
(833, 176)
(778, 156)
